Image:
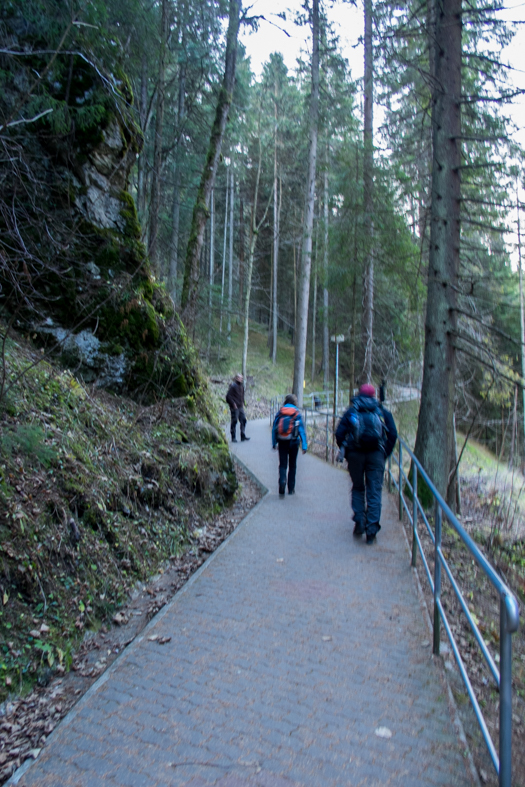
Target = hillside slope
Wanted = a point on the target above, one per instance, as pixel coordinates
(96, 492)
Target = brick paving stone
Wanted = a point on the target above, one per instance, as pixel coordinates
(250, 692)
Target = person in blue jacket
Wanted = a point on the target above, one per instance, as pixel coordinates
(288, 433)
(368, 433)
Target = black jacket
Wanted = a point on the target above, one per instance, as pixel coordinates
(343, 432)
(235, 395)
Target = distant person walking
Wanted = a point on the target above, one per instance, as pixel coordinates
(368, 433)
(235, 400)
(288, 433)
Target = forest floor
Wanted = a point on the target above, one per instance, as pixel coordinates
(106, 508)
(26, 721)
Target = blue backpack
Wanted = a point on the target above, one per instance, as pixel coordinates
(368, 428)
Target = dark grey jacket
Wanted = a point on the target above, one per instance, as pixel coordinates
(235, 395)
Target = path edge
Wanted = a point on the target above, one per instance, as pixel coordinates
(129, 649)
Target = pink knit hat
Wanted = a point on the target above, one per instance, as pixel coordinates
(367, 390)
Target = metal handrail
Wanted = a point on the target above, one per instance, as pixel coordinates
(509, 610)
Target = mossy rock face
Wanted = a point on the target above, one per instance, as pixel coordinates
(207, 472)
(97, 303)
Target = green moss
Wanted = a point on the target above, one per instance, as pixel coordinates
(130, 216)
(108, 256)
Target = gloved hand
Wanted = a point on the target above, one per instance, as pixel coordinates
(340, 455)
(304, 451)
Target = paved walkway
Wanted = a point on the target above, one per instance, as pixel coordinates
(290, 648)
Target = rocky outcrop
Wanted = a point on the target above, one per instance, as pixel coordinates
(73, 268)
(103, 178)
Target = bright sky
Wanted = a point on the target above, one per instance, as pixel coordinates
(348, 21)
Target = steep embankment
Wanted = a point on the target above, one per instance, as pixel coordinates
(96, 492)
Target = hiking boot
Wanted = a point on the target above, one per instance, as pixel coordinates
(370, 538)
(244, 438)
(291, 491)
(281, 491)
(234, 439)
(358, 531)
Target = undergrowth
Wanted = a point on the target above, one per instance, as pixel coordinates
(96, 493)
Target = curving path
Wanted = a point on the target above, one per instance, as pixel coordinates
(291, 648)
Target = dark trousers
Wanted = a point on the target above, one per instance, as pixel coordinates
(288, 451)
(238, 415)
(366, 472)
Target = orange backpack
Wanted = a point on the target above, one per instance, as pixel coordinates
(288, 423)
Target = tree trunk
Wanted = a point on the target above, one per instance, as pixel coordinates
(200, 211)
(241, 248)
(435, 434)
(314, 324)
(326, 334)
(253, 240)
(157, 150)
(212, 269)
(368, 185)
(223, 277)
(522, 325)
(276, 222)
(352, 340)
(175, 213)
(514, 426)
(230, 259)
(141, 164)
(306, 262)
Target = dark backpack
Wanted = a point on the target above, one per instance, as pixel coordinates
(368, 429)
(288, 423)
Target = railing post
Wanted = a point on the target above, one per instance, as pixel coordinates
(505, 697)
(400, 481)
(326, 435)
(414, 513)
(437, 579)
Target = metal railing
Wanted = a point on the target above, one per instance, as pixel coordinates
(509, 611)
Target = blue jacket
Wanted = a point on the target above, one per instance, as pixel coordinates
(302, 431)
(343, 432)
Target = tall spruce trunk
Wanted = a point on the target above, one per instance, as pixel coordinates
(326, 335)
(223, 275)
(352, 342)
(276, 222)
(306, 260)
(522, 324)
(211, 271)
(254, 232)
(314, 326)
(157, 148)
(367, 328)
(230, 256)
(241, 247)
(190, 285)
(435, 434)
(175, 210)
(141, 164)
